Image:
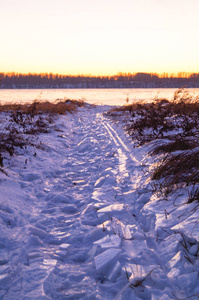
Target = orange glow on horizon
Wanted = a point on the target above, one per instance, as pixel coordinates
(99, 38)
(160, 75)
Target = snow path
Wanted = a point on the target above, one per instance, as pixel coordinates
(76, 222)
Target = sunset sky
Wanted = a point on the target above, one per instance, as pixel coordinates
(99, 37)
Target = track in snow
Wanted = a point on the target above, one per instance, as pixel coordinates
(80, 227)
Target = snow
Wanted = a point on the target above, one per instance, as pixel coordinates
(79, 220)
(106, 259)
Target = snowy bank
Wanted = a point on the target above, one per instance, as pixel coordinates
(80, 220)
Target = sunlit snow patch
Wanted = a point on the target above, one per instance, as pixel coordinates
(50, 262)
(112, 241)
(175, 260)
(110, 208)
(105, 261)
(64, 246)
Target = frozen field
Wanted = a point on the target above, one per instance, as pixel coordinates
(92, 96)
(79, 220)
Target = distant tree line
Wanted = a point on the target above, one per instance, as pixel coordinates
(121, 80)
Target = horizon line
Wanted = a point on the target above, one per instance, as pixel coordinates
(162, 74)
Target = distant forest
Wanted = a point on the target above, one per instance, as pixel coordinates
(121, 80)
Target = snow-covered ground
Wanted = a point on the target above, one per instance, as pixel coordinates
(79, 220)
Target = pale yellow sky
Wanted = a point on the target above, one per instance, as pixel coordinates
(99, 37)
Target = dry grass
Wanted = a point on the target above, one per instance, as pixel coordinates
(43, 107)
(177, 144)
(29, 119)
(128, 108)
(193, 195)
(183, 167)
(157, 120)
(176, 124)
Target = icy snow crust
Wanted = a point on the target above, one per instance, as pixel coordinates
(79, 220)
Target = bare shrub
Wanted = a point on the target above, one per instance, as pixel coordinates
(175, 124)
(29, 119)
(183, 167)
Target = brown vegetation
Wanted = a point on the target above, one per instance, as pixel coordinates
(175, 120)
(21, 121)
(43, 107)
(176, 125)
